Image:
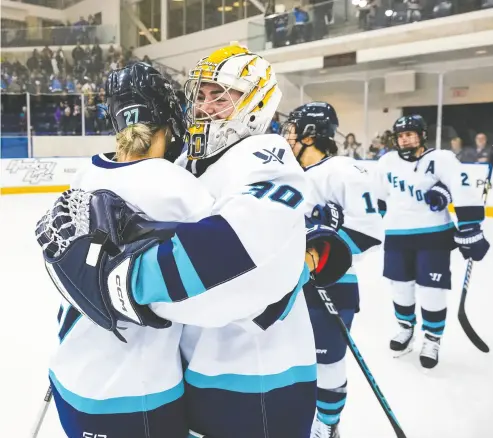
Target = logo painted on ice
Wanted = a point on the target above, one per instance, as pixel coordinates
(36, 170)
(270, 155)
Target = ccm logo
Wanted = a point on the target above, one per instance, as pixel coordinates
(122, 302)
(93, 435)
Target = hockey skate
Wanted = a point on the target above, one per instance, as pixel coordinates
(429, 352)
(321, 430)
(402, 343)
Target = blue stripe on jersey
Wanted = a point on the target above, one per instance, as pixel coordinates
(424, 230)
(348, 278)
(279, 310)
(468, 223)
(328, 419)
(305, 276)
(118, 405)
(148, 285)
(99, 161)
(170, 272)
(71, 318)
(402, 317)
(357, 241)
(250, 384)
(215, 252)
(352, 245)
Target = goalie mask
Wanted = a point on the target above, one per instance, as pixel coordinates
(231, 94)
(140, 94)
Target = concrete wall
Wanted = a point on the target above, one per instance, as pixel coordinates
(184, 52)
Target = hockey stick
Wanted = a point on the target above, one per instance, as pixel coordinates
(325, 297)
(463, 319)
(42, 413)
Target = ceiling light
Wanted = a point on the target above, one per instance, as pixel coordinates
(237, 4)
(389, 13)
(177, 1)
(481, 52)
(355, 2)
(226, 8)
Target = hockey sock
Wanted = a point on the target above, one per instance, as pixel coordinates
(404, 300)
(330, 403)
(433, 309)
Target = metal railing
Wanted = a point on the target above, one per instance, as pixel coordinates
(56, 4)
(280, 28)
(58, 36)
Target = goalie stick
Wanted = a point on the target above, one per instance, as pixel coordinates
(463, 319)
(329, 305)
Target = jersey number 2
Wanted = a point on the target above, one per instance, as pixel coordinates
(284, 194)
(129, 114)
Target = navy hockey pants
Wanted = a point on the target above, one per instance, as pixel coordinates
(167, 421)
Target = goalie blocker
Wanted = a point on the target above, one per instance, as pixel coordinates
(91, 243)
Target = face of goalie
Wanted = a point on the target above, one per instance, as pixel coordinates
(214, 102)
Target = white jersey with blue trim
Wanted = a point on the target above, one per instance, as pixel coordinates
(403, 184)
(266, 342)
(94, 371)
(346, 182)
(215, 272)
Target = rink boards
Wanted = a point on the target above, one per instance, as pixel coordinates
(50, 175)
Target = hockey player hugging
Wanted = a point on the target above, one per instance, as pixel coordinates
(414, 186)
(197, 269)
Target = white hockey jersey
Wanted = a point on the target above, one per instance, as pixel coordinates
(403, 184)
(94, 371)
(254, 377)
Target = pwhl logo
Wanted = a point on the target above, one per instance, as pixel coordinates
(268, 155)
(36, 170)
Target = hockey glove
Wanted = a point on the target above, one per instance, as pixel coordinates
(471, 241)
(335, 257)
(89, 245)
(438, 197)
(330, 215)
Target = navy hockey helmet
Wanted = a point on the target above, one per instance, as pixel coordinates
(138, 93)
(413, 123)
(317, 120)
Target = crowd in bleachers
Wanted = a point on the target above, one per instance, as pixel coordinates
(84, 31)
(57, 86)
(315, 19)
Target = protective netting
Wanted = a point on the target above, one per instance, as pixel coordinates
(64, 222)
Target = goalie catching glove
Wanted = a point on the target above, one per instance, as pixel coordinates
(100, 230)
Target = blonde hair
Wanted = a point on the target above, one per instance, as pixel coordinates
(135, 140)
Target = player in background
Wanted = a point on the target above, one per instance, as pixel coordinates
(233, 277)
(345, 185)
(414, 185)
(102, 386)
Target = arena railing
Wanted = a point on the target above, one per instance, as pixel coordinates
(59, 36)
(280, 28)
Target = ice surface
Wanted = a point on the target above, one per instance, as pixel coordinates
(455, 400)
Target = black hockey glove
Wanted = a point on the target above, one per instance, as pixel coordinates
(331, 215)
(90, 243)
(335, 257)
(471, 241)
(438, 197)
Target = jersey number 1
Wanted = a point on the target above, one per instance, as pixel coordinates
(369, 204)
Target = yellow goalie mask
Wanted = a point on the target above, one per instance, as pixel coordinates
(231, 94)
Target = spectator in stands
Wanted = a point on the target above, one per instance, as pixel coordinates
(482, 149)
(60, 60)
(55, 84)
(322, 17)
(14, 86)
(78, 53)
(465, 155)
(380, 145)
(69, 85)
(351, 148)
(67, 122)
(300, 32)
(111, 53)
(33, 62)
